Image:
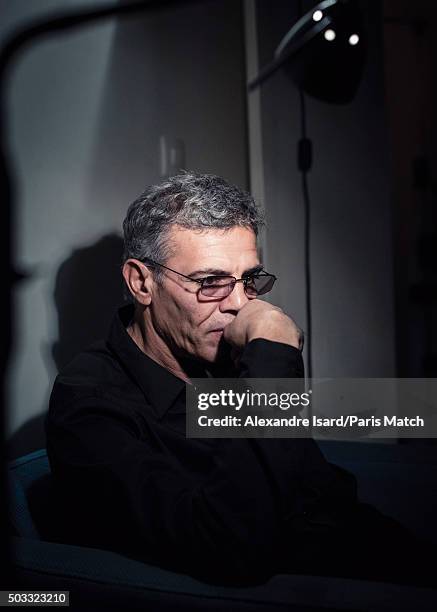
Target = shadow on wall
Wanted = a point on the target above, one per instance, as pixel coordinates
(88, 290)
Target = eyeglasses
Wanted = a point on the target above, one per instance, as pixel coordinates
(220, 286)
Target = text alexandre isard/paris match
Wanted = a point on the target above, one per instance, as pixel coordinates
(246, 400)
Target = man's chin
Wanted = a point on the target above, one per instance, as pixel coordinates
(209, 356)
(215, 352)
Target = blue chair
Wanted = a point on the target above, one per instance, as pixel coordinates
(101, 579)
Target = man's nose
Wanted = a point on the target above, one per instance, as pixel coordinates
(235, 300)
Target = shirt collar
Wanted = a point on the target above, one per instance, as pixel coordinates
(160, 387)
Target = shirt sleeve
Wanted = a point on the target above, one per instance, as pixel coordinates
(263, 358)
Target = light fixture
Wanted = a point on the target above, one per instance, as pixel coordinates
(331, 73)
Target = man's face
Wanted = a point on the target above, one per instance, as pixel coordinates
(189, 322)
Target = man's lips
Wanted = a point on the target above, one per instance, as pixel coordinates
(221, 326)
(219, 329)
(216, 332)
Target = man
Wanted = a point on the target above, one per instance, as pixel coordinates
(224, 510)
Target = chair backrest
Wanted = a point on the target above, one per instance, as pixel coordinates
(31, 495)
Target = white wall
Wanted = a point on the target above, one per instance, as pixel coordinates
(86, 113)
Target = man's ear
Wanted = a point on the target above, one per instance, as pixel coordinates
(139, 281)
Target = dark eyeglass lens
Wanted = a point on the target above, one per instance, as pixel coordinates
(221, 286)
(258, 285)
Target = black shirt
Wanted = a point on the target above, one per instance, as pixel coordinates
(226, 510)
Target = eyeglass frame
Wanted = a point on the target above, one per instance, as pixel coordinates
(200, 281)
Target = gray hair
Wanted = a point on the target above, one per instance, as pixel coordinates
(189, 200)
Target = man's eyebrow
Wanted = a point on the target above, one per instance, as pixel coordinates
(253, 270)
(210, 271)
(219, 272)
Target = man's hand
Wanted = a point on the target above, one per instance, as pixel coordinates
(258, 319)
